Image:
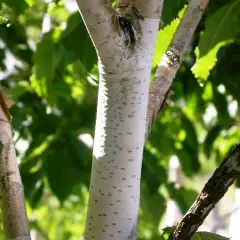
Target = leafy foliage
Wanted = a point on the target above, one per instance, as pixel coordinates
(19, 6)
(208, 236)
(76, 40)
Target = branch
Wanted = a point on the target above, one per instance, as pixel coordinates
(15, 222)
(172, 59)
(212, 192)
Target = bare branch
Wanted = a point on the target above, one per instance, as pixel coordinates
(172, 59)
(212, 192)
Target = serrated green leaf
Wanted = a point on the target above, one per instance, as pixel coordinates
(77, 41)
(166, 233)
(208, 236)
(221, 29)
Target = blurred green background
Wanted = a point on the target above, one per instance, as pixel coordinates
(49, 65)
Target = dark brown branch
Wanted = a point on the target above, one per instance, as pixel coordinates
(212, 192)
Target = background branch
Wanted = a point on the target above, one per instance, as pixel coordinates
(212, 192)
(15, 222)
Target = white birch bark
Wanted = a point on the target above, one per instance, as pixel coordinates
(121, 120)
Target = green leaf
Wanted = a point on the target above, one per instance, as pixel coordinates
(213, 133)
(166, 233)
(66, 164)
(30, 181)
(190, 131)
(153, 173)
(61, 172)
(183, 196)
(188, 158)
(45, 62)
(221, 30)
(37, 148)
(226, 71)
(152, 181)
(208, 236)
(30, 2)
(171, 9)
(77, 41)
(19, 6)
(36, 197)
(154, 207)
(19, 89)
(3, 20)
(164, 38)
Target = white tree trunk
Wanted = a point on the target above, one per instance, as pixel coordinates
(121, 120)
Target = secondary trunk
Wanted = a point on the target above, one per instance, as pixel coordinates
(15, 222)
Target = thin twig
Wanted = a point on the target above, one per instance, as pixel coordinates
(212, 192)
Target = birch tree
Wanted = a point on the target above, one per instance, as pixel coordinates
(124, 37)
(121, 113)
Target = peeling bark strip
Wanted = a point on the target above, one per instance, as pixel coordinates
(15, 223)
(212, 192)
(172, 59)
